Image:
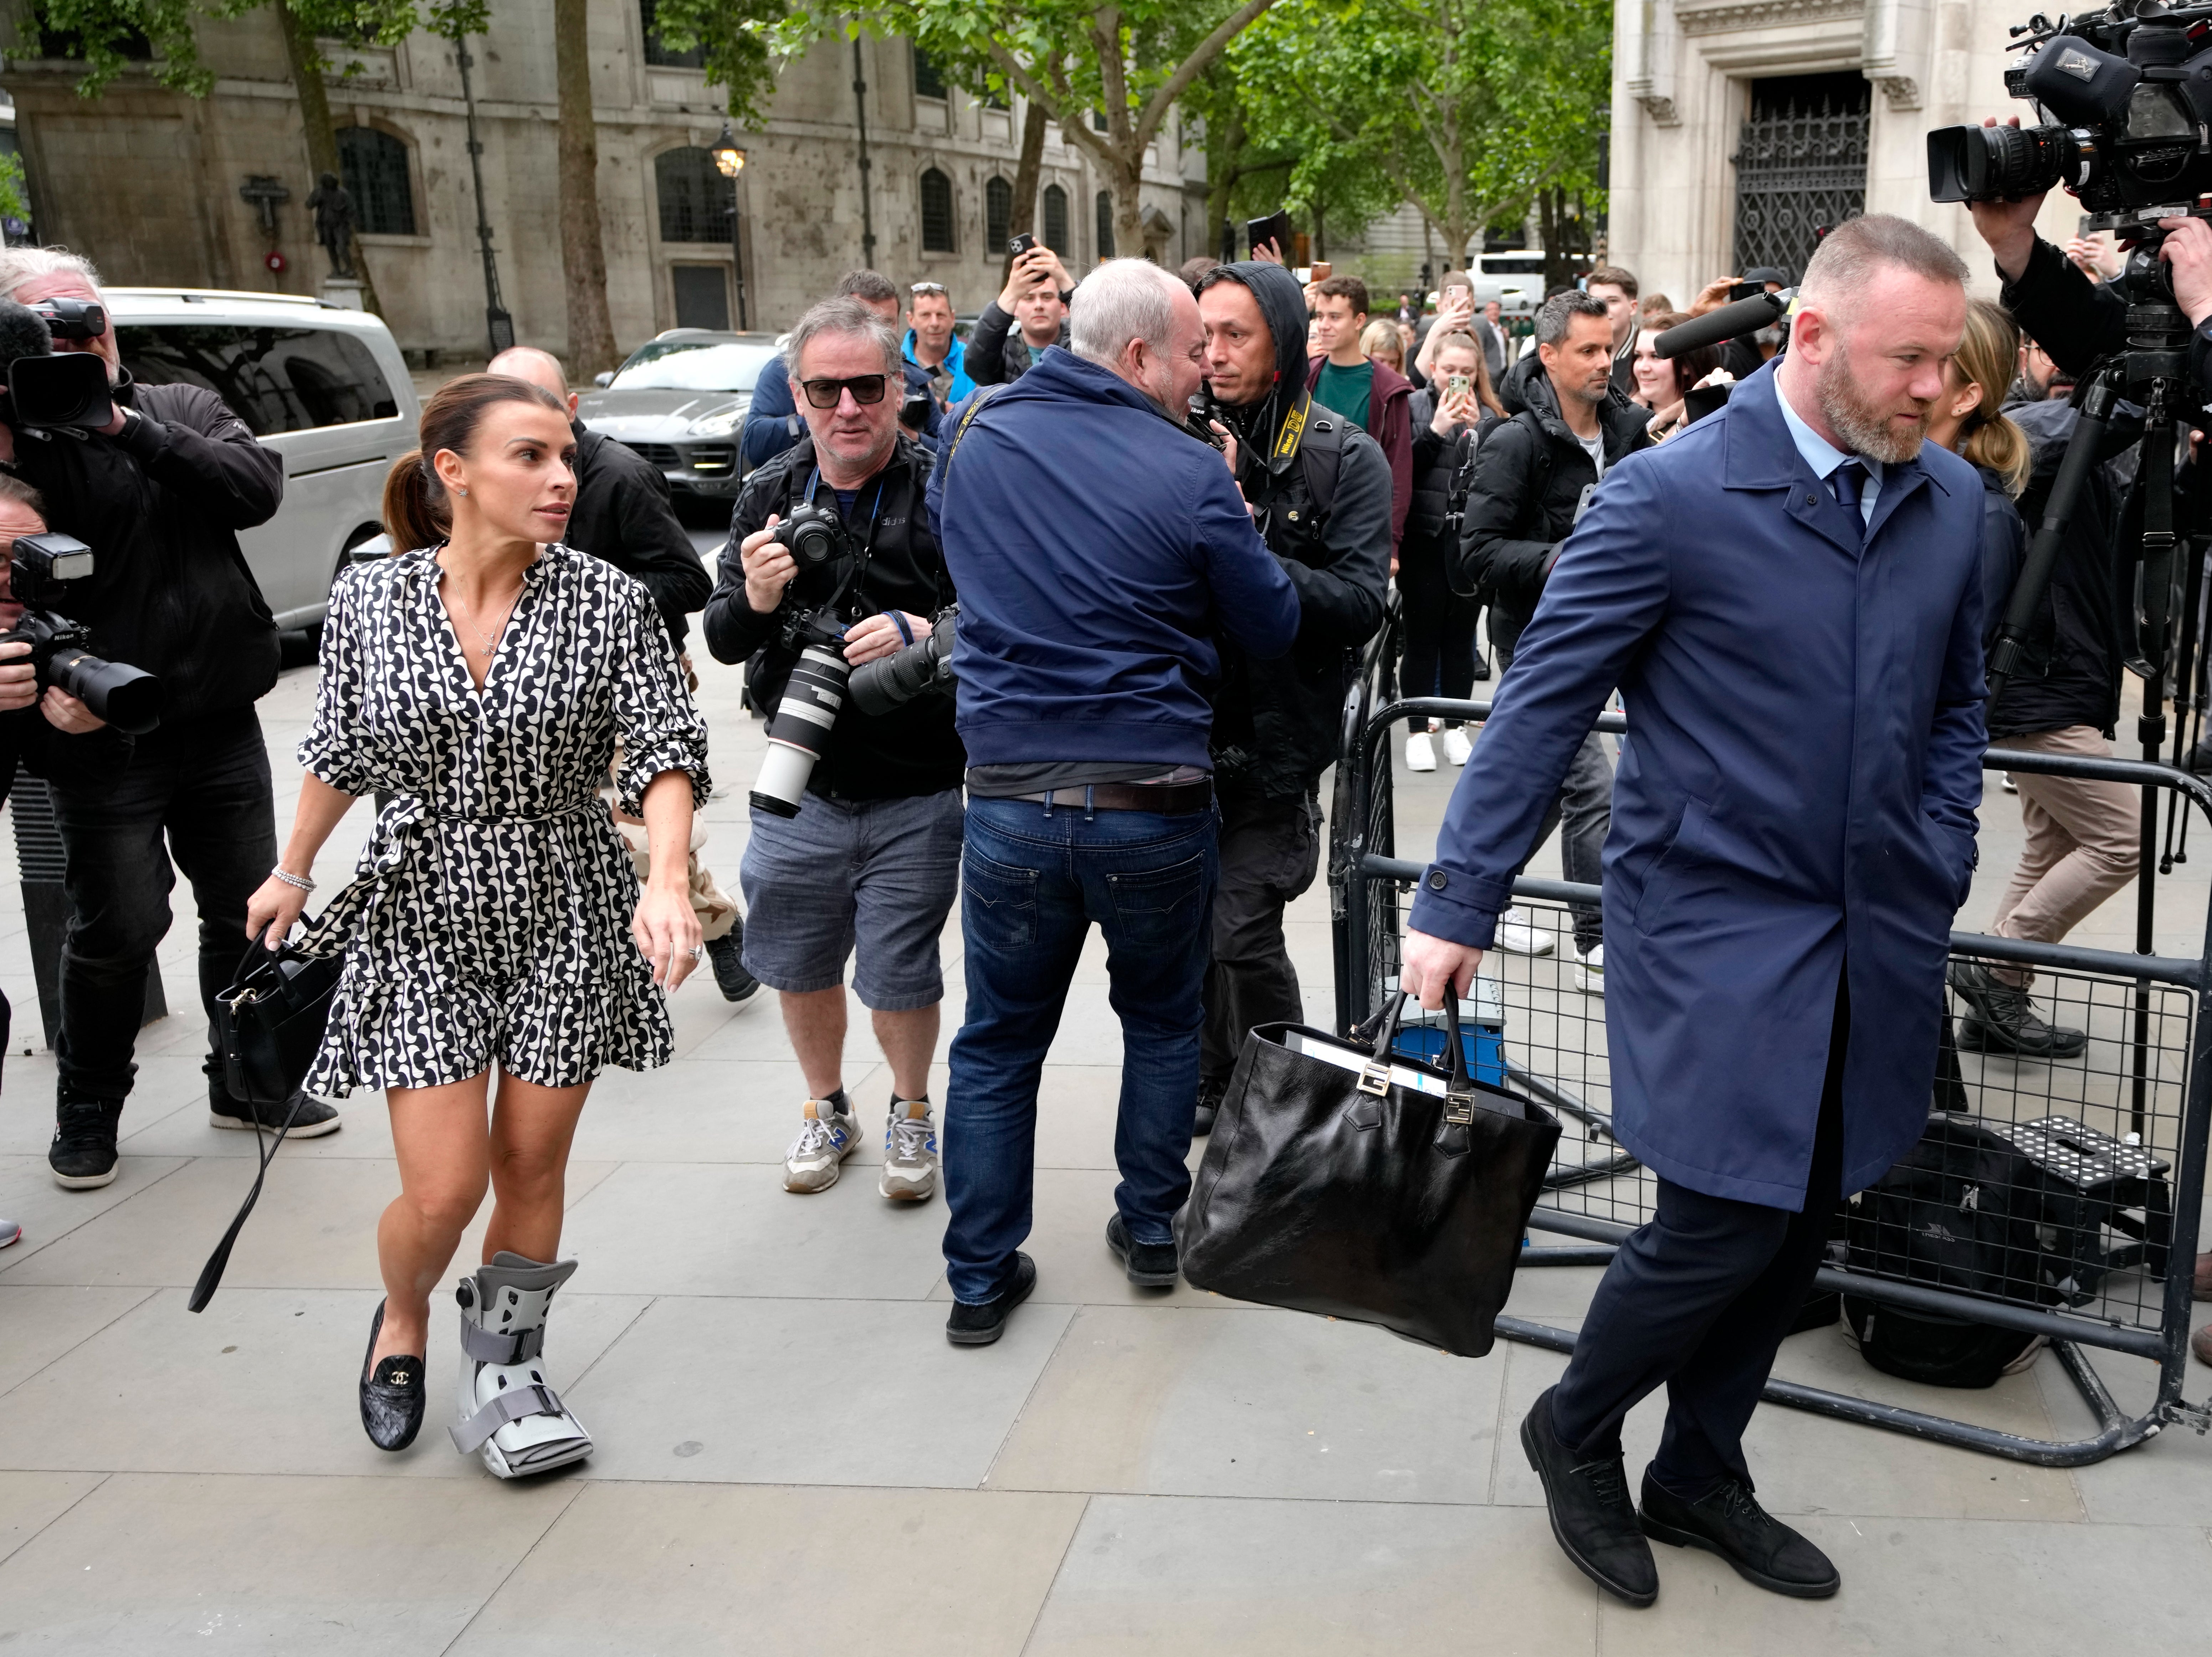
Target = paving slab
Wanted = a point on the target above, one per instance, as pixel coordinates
(767, 1570)
(264, 1381)
(1191, 1401)
(45, 1321)
(166, 1084)
(149, 1564)
(819, 1391)
(49, 1215)
(1071, 1207)
(1286, 1579)
(29, 1502)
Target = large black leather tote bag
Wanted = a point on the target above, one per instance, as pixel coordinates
(1359, 1193)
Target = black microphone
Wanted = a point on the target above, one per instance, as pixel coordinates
(22, 333)
(1745, 316)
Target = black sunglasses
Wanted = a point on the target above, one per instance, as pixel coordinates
(865, 388)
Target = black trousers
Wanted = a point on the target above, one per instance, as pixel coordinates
(1439, 634)
(1699, 1299)
(198, 792)
(1270, 852)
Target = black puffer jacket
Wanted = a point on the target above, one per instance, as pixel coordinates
(910, 751)
(997, 354)
(623, 515)
(161, 504)
(1275, 722)
(1437, 461)
(1531, 475)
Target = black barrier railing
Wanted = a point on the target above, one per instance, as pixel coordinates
(2102, 1154)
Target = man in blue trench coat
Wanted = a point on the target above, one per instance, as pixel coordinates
(1788, 595)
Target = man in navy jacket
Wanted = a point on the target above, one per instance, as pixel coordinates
(1789, 598)
(1097, 547)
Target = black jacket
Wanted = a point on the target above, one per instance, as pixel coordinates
(2076, 321)
(1531, 477)
(2070, 672)
(997, 354)
(913, 749)
(1437, 461)
(622, 515)
(1275, 722)
(160, 504)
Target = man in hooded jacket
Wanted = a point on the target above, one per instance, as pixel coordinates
(1320, 491)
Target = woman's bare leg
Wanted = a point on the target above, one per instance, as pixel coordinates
(531, 1129)
(444, 1147)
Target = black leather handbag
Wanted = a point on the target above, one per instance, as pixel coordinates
(269, 1023)
(1346, 1192)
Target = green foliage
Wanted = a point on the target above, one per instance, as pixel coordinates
(1467, 108)
(14, 194)
(105, 31)
(742, 41)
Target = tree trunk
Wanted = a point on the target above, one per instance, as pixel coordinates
(1027, 170)
(583, 257)
(1222, 172)
(1129, 206)
(1556, 229)
(315, 120)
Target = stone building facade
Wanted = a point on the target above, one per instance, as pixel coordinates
(1738, 125)
(148, 183)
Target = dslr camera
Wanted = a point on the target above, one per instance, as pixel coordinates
(42, 566)
(2126, 98)
(828, 560)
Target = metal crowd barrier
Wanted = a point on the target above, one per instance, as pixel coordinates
(2119, 1131)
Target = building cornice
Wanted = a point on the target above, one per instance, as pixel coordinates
(1762, 13)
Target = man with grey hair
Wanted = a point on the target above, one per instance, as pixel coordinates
(1104, 558)
(1789, 597)
(772, 419)
(867, 864)
(159, 494)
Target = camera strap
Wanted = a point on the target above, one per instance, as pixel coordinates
(857, 575)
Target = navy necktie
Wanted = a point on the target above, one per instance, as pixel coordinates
(1850, 480)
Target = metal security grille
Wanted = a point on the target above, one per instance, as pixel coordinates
(936, 212)
(374, 168)
(1800, 165)
(1055, 219)
(695, 198)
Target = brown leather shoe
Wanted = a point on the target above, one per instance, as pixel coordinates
(2204, 1277)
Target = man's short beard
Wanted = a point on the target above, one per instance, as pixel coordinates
(1865, 429)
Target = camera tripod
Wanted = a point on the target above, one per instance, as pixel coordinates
(2151, 371)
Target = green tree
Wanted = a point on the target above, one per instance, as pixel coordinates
(1466, 108)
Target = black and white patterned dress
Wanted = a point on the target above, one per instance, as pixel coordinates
(490, 917)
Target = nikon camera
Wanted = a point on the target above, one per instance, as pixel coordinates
(799, 731)
(43, 565)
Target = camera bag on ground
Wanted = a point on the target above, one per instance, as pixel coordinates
(1966, 1210)
(1357, 1182)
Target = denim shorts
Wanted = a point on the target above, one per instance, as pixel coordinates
(880, 875)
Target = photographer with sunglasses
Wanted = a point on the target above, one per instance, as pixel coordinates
(869, 867)
(773, 422)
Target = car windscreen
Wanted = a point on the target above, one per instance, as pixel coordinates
(677, 364)
(276, 379)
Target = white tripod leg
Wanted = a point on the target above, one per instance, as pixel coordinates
(507, 1412)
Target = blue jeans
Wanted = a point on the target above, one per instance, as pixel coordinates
(1033, 879)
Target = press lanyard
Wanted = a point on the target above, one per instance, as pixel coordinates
(867, 546)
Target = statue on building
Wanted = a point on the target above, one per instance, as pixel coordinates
(334, 222)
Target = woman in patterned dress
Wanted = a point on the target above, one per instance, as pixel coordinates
(484, 682)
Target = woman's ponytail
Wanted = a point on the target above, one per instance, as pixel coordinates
(411, 517)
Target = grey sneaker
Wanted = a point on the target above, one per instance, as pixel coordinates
(10, 1233)
(826, 1137)
(910, 1152)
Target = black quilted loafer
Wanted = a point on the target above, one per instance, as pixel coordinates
(392, 1395)
(1730, 1521)
(980, 1325)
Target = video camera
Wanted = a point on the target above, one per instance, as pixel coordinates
(41, 566)
(2127, 97)
(46, 388)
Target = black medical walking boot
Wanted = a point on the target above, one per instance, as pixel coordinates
(1593, 1520)
(83, 1155)
(1999, 1018)
(1730, 1521)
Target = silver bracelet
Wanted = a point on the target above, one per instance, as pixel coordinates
(302, 882)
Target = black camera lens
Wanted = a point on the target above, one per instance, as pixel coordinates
(126, 697)
(1999, 163)
(813, 544)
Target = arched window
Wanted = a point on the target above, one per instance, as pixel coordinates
(1105, 224)
(373, 167)
(936, 213)
(1055, 220)
(998, 215)
(696, 199)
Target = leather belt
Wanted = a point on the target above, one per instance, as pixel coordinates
(1169, 799)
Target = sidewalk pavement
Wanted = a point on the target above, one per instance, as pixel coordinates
(792, 1460)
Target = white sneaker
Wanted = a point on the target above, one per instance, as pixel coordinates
(1420, 752)
(1456, 746)
(826, 1139)
(1517, 935)
(2010, 786)
(1589, 970)
(910, 1153)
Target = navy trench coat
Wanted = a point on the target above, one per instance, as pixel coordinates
(1795, 798)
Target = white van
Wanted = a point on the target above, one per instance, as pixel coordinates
(1515, 279)
(324, 387)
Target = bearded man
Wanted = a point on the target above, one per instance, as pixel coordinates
(1789, 597)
